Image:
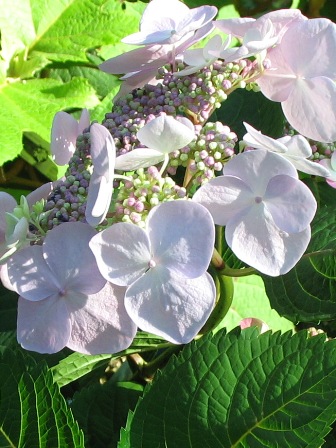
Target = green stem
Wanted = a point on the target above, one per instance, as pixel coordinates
(149, 368)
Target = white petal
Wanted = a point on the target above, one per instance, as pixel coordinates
(138, 158)
(64, 133)
(165, 134)
(173, 307)
(257, 140)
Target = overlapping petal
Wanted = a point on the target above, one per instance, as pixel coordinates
(171, 306)
(185, 252)
(43, 326)
(122, 252)
(101, 325)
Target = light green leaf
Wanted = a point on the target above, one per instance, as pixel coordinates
(242, 389)
(28, 108)
(77, 365)
(33, 413)
(308, 292)
(250, 300)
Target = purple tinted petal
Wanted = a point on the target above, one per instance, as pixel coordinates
(64, 133)
(311, 108)
(257, 241)
(138, 158)
(173, 307)
(291, 203)
(257, 167)
(84, 121)
(182, 236)
(122, 252)
(257, 140)
(101, 325)
(66, 251)
(224, 197)
(43, 326)
(30, 276)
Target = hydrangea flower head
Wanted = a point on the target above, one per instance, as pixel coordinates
(64, 300)
(64, 132)
(265, 208)
(169, 292)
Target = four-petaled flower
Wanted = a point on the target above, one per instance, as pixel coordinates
(266, 209)
(169, 292)
(64, 300)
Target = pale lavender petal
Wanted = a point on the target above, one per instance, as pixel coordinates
(43, 326)
(156, 9)
(327, 163)
(30, 276)
(195, 18)
(173, 307)
(256, 240)
(101, 325)
(122, 252)
(297, 145)
(66, 251)
(84, 121)
(257, 140)
(257, 167)
(134, 60)
(138, 158)
(237, 26)
(165, 134)
(224, 197)
(291, 203)
(103, 155)
(311, 108)
(64, 133)
(5, 278)
(182, 236)
(194, 57)
(7, 204)
(153, 38)
(41, 192)
(308, 166)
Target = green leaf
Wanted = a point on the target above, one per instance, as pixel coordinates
(77, 365)
(80, 25)
(33, 413)
(250, 300)
(242, 389)
(29, 107)
(63, 30)
(308, 292)
(255, 109)
(101, 410)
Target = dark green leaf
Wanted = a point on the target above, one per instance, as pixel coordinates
(102, 409)
(240, 390)
(32, 411)
(255, 109)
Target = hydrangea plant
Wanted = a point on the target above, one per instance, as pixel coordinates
(138, 257)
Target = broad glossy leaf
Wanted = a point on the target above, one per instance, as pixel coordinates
(308, 292)
(242, 389)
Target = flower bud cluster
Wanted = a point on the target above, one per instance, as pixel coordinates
(138, 196)
(207, 154)
(67, 202)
